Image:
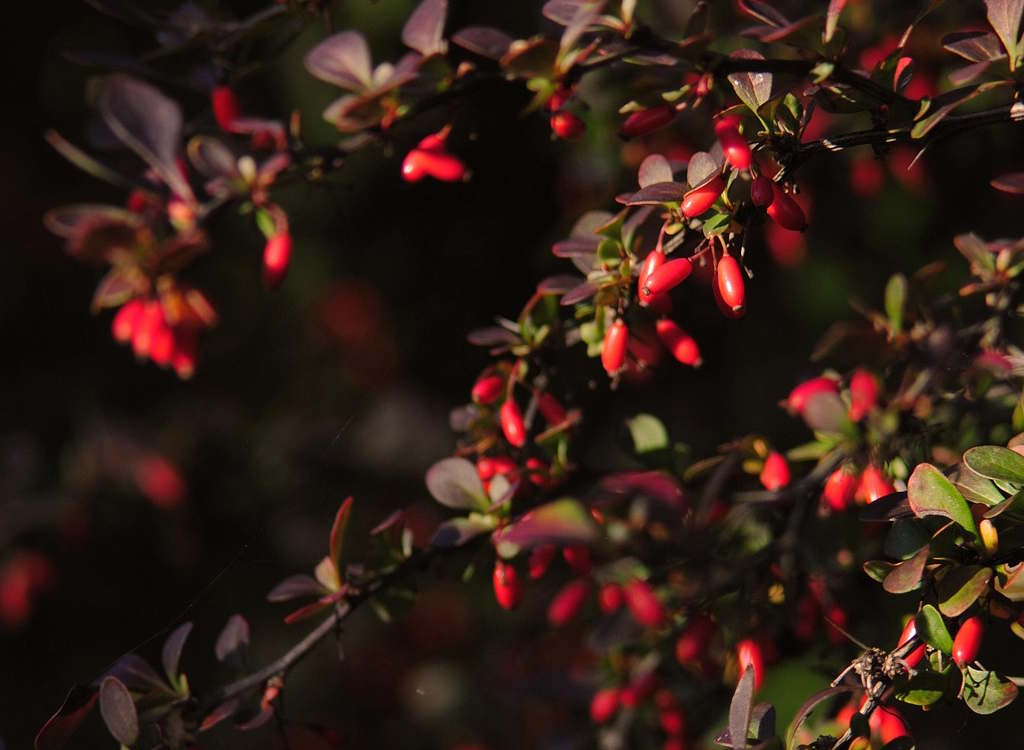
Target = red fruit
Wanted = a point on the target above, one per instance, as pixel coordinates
(610, 598)
(654, 260)
(873, 485)
(730, 283)
(420, 163)
(748, 653)
(578, 558)
(160, 482)
(559, 98)
(537, 472)
(138, 201)
(968, 641)
(487, 389)
(700, 199)
(568, 602)
(803, 393)
(226, 108)
(668, 276)
(867, 178)
(161, 346)
(150, 320)
(674, 743)
(761, 192)
(567, 125)
(639, 689)
(863, 394)
(786, 212)
(775, 474)
(914, 657)
(734, 146)
(435, 141)
(643, 604)
(512, 423)
(613, 350)
(840, 488)
(644, 348)
(647, 120)
(604, 705)
(551, 408)
(277, 256)
(673, 721)
(693, 642)
(508, 589)
(540, 559)
(126, 320)
(679, 343)
(890, 724)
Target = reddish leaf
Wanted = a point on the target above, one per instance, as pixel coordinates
(1010, 183)
(484, 41)
(559, 284)
(216, 716)
(579, 293)
(171, 653)
(58, 728)
(342, 59)
(702, 168)
(661, 192)
(1004, 16)
(424, 31)
(118, 711)
(233, 641)
(560, 522)
(294, 587)
(338, 533)
(835, 8)
(136, 674)
(975, 46)
(762, 12)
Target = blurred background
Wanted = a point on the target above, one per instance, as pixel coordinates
(130, 501)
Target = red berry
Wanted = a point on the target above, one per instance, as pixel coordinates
(643, 604)
(613, 349)
(867, 177)
(150, 320)
(775, 474)
(668, 276)
(673, 721)
(559, 99)
(568, 602)
(873, 485)
(647, 120)
(761, 192)
(644, 348)
(508, 589)
(567, 125)
(420, 163)
(967, 642)
(748, 653)
(786, 212)
(512, 423)
(578, 558)
(540, 559)
(803, 393)
(487, 389)
(604, 705)
(693, 643)
(161, 346)
(730, 282)
(277, 256)
(700, 199)
(679, 343)
(126, 319)
(551, 408)
(537, 472)
(226, 108)
(914, 657)
(654, 260)
(734, 146)
(890, 726)
(840, 488)
(863, 394)
(610, 598)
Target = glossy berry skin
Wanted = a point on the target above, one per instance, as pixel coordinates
(701, 198)
(839, 489)
(873, 485)
(566, 125)
(488, 468)
(748, 653)
(668, 276)
(654, 260)
(729, 278)
(550, 408)
(643, 604)
(512, 423)
(762, 192)
(679, 343)
(568, 601)
(126, 319)
(863, 394)
(420, 163)
(693, 643)
(604, 705)
(786, 212)
(914, 657)
(487, 389)
(226, 108)
(734, 146)
(804, 392)
(508, 589)
(578, 558)
(967, 642)
(647, 121)
(150, 320)
(610, 598)
(613, 349)
(540, 559)
(559, 99)
(775, 475)
(277, 256)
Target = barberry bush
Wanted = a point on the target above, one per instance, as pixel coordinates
(849, 577)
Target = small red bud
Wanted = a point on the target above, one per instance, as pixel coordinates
(578, 558)
(840, 488)
(786, 212)
(643, 604)
(730, 283)
(761, 192)
(512, 423)
(613, 349)
(647, 120)
(277, 256)
(150, 320)
(226, 108)
(668, 276)
(566, 125)
(487, 389)
(967, 642)
(540, 559)
(873, 485)
(775, 474)
(604, 705)
(863, 394)
(734, 146)
(610, 598)
(679, 343)
(701, 198)
(568, 601)
(748, 653)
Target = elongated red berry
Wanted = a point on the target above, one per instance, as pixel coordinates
(700, 199)
(647, 120)
(803, 393)
(914, 657)
(967, 642)
(604, 705)
(277, 256)
(734, 146)
(126, 319)
(668, 276)
(672, 721)
(226, 108)
(566, 125)
(578, 558)
(512, 423)
(748, 653)
(786, 212)
(540, 559)
(161, 346)
(420, 163)
(729, 278)
(610, 598)
(761, 192)
(679, 343)
(487, 389)
(645, 607)
(613, 349)
(873, 485)
(508, 589)
(840, 488)
(150, 320)
(863, 394)
(568, 601)
(550, 408)
(775, 474)
(693, 643)
(654, 260)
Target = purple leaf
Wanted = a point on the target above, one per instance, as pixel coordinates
(493, 336)
(563, 521)
(342, 59)
(975, 46)
(762, 12)
(455, 483)
(294, 587)
(338, 532)
(390, 522)
(579, 293)
(118, 711)
(265, 714)
(586, 13)
(216, 716)
(656, 485)
(136, 674)
(558, 284)
(835, 8)
(58, 728)
(906, 576)
(576, 247)
(562, 11)
(702, 168)
(1004, 16)
(753, 89)
(484, 41)
(1010, 183)
(171, 653)
(67, 221)
(211, 157)
(654, 169)
(84, 161)
(739, 709)
(148, 123)
(457, 531)
(661, 192)
(967, 74)
(424, 31)
(232, 641)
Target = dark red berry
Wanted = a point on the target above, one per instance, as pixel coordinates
(701, 198)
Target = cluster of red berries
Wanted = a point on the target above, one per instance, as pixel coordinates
(812, 608)
(144, 324)
(431, 158)
(607, 702)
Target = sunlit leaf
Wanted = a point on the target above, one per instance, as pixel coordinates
(171, 653)
(931, 494)
(648, 433)
(961, 587)
(454, 482)
(483, 40)
(654, 169)
(835, 8)
(906, 576)
(563, 521)
(975, 46)
(342, 59)
(753, 89)
(996, 462)
(294, 587)
(424, 31)
(932, 629)
(118, 711)
(986, 692)
(739, 708)
(338, 532)
(1012, 182)
(1004, 16)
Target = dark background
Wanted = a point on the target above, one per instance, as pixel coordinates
(287, 416)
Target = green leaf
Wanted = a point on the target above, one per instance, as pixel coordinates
(924, 689)
(961, 587)
(995, 462)
(906, 576)
(930, 493)
(648, 433)
(906, 537)
(976, 488)
(985, 692)
(895, 299)
(265, 223)
(716, 224)
(932, 629)
(878, 569)
(563, 521)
